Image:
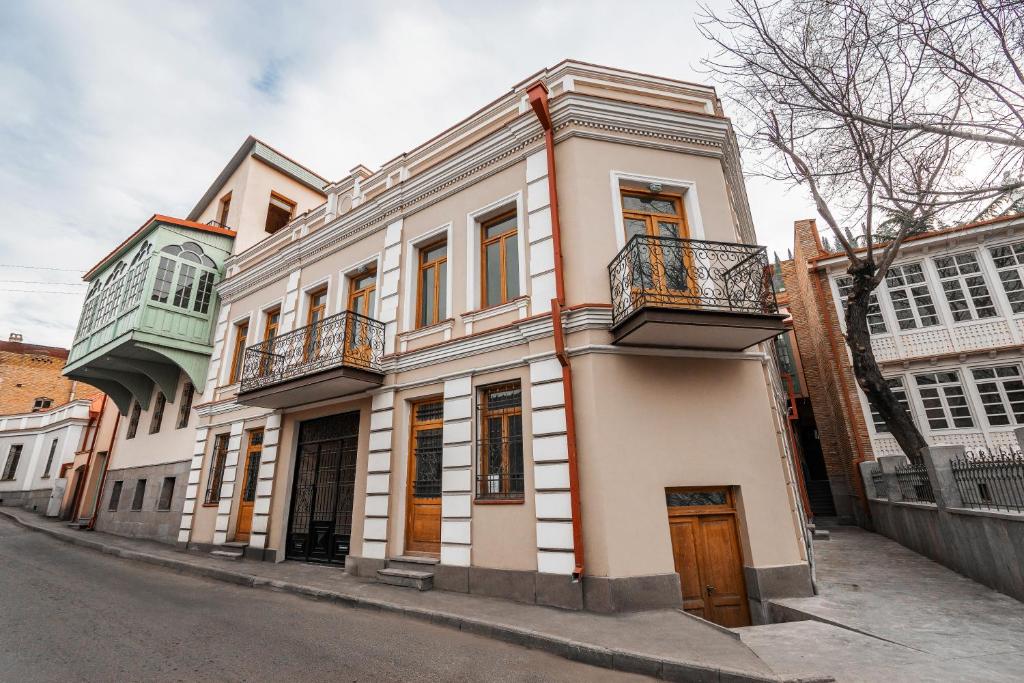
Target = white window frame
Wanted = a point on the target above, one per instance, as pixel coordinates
(840, 300)
(1004, 399)
(412, 257)
(960, 278)
(913, 305)
(944, 403)
(624, 180)
(909, 406)
(474, 220)
(989, 259)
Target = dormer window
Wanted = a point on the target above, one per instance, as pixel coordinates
(279, 212)
(41, 403)
(225, 206)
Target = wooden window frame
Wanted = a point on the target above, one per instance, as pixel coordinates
(222, 213)
(270, 203)
(237, 351)
(502, 265)
(505, 496)
(311, 296)
(651, 220)
(218, 461)
(436, 294)
(728, 508)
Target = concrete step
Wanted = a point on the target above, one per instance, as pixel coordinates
(227, 554)
(822, 535)
(79, 525)
(413, 563)
(241, 545)
(406, 578)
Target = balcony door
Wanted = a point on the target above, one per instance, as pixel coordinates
(423, 502)
(362, 300)
(662, 269)
(317, 312)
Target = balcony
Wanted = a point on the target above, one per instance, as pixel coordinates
(333, 357)
(692, 294)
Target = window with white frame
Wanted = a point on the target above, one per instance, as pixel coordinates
(876, 323)
(911, 301)
(1001, 389)
(900, 392)
(964, 287)
(944, 400)
(1009, 260)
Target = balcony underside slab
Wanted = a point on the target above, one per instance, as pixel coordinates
(327, 384)
(688, 328)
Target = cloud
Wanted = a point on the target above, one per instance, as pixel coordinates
(117, 110)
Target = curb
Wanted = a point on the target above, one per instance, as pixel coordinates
(665, 669)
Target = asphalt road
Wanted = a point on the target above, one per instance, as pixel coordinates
(71, 614)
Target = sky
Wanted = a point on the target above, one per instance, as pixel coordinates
(113, 111)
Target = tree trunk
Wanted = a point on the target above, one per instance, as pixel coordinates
(866, 370)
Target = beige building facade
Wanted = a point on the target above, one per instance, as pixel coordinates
(529, 358)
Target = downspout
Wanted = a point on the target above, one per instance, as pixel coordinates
(844, 399)
(538, 96)
(106, 468)
(91, 430)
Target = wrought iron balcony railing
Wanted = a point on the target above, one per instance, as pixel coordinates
(667, 272)
(345, 339)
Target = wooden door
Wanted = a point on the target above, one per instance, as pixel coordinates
(243, 527)
(423, 502)
(706, 550)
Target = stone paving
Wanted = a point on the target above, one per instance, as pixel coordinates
(885, 613)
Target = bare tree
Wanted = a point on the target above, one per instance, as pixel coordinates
(898, 116)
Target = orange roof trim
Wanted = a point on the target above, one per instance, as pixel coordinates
(159, 218)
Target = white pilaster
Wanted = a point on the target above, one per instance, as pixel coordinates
(390, 270)
(457, 472)
(192, 490)
(220, 334)
(541, 252)
(227, 486)
(290, 303)
(551, 468)
(378, 476)
(265, 482)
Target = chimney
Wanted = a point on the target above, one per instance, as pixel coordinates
(15, 337)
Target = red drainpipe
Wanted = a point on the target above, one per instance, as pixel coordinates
(538, 95)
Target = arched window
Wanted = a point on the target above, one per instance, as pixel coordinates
(190, 251)
(142, 253)
(115, 273)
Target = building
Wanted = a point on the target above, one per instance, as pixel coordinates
(31, 379)
(145, 332)
(86, 472)
(947, 330)
(510, 362)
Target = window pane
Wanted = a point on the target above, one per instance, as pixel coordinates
(435, 252)
(162, 284)
(492, 270)
(635, 227)
(183, 291)
(640, 204)
(511, 268)
(427, 296)
(442, 291)
(500, 228)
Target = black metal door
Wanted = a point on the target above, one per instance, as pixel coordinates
(320, 523)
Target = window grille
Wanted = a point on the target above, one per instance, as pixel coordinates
(911, 300)
(158, 413)
(140, 494)
(188, 392)
(1009, 261)
(876, 323)
(945, 403)
(217, 462)
(964, 287)
(133, 422)
(500, 443)
(898, 390)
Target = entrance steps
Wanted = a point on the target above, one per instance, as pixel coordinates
(230, 551)
(409, 572)
(80, 524)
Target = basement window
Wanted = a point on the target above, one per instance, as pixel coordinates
(166, 494)
(140, 494)
(279, 212)
(115, 496)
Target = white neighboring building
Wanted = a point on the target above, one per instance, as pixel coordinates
(33, 447)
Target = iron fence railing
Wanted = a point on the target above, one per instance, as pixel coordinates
(915, 486)
(682, 273)
(347, 338)
(993, 480)
(881, 485)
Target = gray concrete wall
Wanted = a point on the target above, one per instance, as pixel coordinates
(148, 523)
(30, 500)
(986, 546)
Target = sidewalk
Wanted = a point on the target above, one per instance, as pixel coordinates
(885, 613)
(662, 643)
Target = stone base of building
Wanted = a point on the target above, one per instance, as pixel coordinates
(148, 523)
(36, 500)
(783, 581)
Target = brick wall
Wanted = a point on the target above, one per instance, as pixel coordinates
(841, 427)
(28, 372)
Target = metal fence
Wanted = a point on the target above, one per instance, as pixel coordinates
(915, 486)
(681, 273)
(991, 481)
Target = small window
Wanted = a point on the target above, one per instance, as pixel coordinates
(158, 413)
(876, 323)
(279, 212)
(133, 423)
(944, 400)
(500, 445)
(188, 392)
(140, 494)
(217, 462)
(241, 332)
(433, 284)
(911, 300)
(964, 287)
(49, 459)
(225, 206)
(41, 403)
(1009, 260)
(166, 494)
(13, 458)
(162, 283)
(499, 245)
(1002, 394)
(317, 306)
(900, 392)
(115, 496)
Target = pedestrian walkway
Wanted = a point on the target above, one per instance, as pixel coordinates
(885, 613)
(662, 643)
